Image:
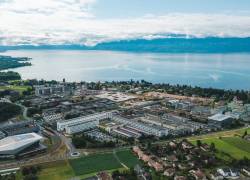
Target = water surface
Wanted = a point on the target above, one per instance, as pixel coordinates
(229, 71)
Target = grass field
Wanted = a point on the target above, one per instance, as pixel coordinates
(238, 142)
(230, 133)
(87, 166)
(16, 88)
(56, 171)
(128, 158)
(94, 163)
(229, 142)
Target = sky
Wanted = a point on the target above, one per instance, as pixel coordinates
(88, 22)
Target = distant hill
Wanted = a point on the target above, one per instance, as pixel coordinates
(166, 45)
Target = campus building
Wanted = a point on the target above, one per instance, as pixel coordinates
(20, 145)
(83, 123)
(48, 90)
(220, 120)
(20, 128)
(142, 127)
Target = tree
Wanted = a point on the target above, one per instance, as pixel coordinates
(212, 147)
(31, 177)
(8, 110)
(25, 171)
(245, 134)
(198, 142)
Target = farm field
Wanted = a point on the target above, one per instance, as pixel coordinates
(228, 143)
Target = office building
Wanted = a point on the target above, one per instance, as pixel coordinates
(83, 123)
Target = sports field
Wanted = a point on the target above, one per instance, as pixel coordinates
(227, 143)
(94, 163)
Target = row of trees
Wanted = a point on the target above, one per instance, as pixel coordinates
(126, 174)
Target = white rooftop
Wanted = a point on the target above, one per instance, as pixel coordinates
(219, 117)
(14, 142)
(115, 96)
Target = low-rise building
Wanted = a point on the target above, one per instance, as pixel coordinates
(48, 90)
(220, 120)
(142, 127)
(52, 117)
(79, 124)
(20, 128)
(229, 173)
(23, 144)
(2, 135)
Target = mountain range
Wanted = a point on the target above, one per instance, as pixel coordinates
(162, 45)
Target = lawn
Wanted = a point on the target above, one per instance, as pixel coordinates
(229, 133)
(56, 171)
(15, 88)
(87, 166)
(94, 163)
(238, 142)
(127, 158)
(227, 142)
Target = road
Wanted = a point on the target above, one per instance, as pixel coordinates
(71, 148)
(25, 110)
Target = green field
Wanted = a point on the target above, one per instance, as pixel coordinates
(94, 163)
(227, 143)
(15, 88)
(56, 171)
(127, 158)
(87, 166)
(230, 133)
(238, 142)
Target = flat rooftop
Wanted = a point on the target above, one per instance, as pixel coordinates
(116, 96)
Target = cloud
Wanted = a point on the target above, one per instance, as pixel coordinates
(72, 22)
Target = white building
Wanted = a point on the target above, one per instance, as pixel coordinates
(220, 120)
(13, 145)
(142, 127)
(83, 123)
(48, 90)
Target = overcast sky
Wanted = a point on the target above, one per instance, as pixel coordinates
(92, 21)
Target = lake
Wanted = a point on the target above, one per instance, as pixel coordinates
(228, 71)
